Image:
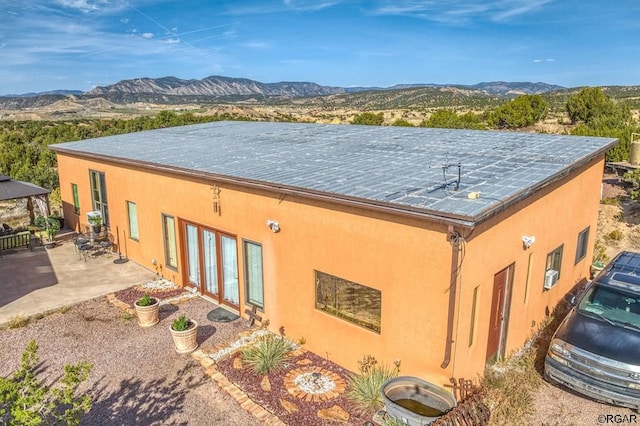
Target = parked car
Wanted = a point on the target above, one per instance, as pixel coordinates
(596, 349)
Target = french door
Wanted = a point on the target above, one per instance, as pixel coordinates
(212, 263)
(99, 194)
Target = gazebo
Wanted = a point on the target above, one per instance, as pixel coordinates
(14, 189)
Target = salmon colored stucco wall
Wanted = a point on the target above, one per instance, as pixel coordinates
(407, 259)
(555, 216)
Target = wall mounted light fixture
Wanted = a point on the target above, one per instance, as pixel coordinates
(275, 226)
(528, 241)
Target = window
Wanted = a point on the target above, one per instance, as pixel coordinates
(253, 273)
(350, 301)
(170, 248)
(583, 241)
(132, 211)
(554, 260)
(99, 194)
(474, 314)
(76, 198)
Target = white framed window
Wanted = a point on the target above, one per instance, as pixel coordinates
(254, 284)
(169, 237)
(132, 211)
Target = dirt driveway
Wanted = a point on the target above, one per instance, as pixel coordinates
(138, 378)
(618, 230)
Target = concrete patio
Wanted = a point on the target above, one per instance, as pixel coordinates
(42, 280)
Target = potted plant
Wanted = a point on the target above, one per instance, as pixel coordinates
(96, 223)
(147, 309)
(185, 334)
(58, 217)
(50, 227)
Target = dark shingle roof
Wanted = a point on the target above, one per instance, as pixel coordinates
(401, 167)
(12, 189)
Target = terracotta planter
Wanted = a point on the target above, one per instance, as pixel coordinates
(186, 341)
(148, 315)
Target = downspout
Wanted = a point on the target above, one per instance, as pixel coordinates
(454, 239)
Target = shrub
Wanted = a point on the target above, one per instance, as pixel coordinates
(25, 400)
(615, 235)
(600, 256)
(510, 388)
(634, 237)
(269, 353)
(610, 201)
(366, 387)
(17, 322)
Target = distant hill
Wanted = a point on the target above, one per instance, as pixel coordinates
(50, 92)
(495, 88)
(513, 88)
(211, 90)
(215, 86)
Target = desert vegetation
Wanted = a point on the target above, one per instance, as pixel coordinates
(589, 111)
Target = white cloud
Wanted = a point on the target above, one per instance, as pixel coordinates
(170, 41)
(257, 45)
(286, 6)
(147, 35)
(459, 11)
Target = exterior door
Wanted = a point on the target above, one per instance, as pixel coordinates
(99, 194)
(212, 263)
(499, 313)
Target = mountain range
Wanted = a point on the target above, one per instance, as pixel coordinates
(172, 90)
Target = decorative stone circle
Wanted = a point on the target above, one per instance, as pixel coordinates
(314, 384)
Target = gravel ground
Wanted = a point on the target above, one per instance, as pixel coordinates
(138, 378)
(557, 406)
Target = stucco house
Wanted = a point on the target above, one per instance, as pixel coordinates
(442, 248)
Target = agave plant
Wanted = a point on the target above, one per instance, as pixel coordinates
(270, 353)
(366, 387)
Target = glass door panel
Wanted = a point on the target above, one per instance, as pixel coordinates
(193, 256)
(210, 262)
(230, 289)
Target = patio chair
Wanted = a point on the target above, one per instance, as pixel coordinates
(106, 244)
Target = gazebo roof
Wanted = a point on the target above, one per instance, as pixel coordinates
(11, 189)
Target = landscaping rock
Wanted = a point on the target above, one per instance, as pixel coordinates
(237, 363)
(265, 384)
(334, 414)
(288, 405)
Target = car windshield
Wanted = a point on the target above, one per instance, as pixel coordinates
(612, 305)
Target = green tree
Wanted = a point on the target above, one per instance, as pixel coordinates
(369, 119)
(596, 114)
(25, 400)
(588, 104)
(401, 122)
(448, 119)
(522, 111)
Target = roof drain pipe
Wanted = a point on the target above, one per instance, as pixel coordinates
(454, 239)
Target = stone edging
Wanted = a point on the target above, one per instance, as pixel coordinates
(236, 393)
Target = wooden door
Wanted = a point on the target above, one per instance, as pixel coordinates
(497, 313)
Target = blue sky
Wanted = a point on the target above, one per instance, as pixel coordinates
(80, 44)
